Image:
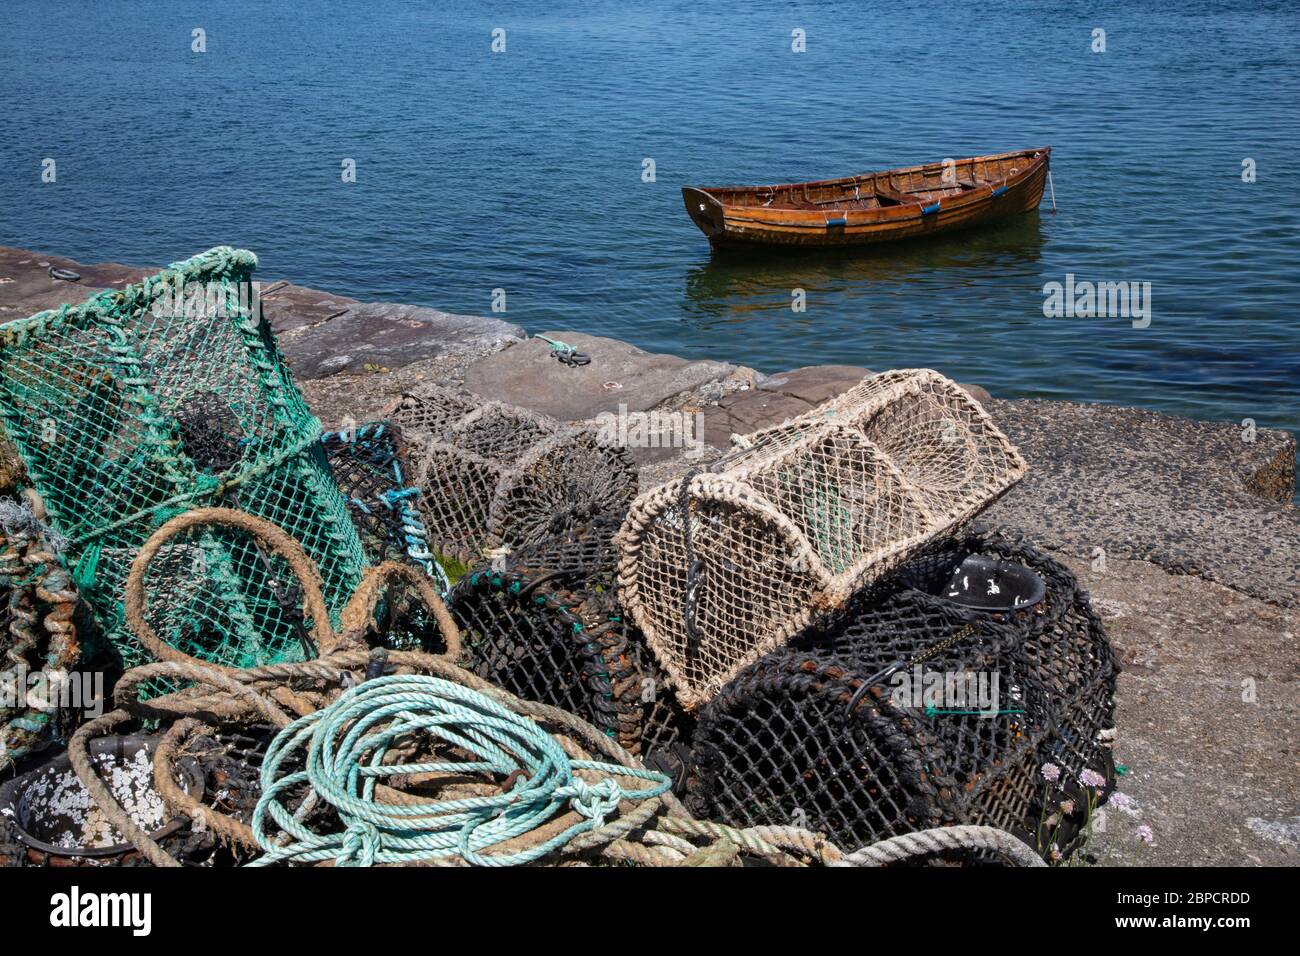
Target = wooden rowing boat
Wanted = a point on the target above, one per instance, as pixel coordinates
(874, 207)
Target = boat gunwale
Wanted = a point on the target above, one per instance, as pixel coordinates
(1037, 155)
(739, 217)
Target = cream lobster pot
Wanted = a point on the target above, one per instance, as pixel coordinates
(721, 567)
(494, 475)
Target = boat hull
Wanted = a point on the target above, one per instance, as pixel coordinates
(736, 221)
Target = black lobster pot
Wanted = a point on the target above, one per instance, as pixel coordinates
(910, 710)
(371, 467)
(370, 464)
(545, 625)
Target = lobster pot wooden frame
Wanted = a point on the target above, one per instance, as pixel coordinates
(720, 568)
(495, 475)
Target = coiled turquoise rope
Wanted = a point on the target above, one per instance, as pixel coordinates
(346, 745)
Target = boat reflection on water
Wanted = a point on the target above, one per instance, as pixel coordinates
(734, 284)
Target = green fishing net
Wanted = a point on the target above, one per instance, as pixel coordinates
(169, 395)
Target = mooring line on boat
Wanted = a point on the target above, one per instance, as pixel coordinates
(1052, 187)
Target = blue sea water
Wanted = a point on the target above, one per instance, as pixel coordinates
(523, 170)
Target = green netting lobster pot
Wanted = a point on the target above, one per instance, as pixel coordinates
(909, 710)
(496, 475)
(169, 395)
(545, 625)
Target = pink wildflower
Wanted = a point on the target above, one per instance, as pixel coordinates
(1091, 778)
(1145, 834)
(1051, 772)
(1122, 801)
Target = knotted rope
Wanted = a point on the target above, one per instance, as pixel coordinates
(355, 617)
(347, 744)
(374, 443)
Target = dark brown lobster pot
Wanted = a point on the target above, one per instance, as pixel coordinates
(545, 625)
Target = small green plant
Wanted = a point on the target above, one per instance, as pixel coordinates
(455, 570)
